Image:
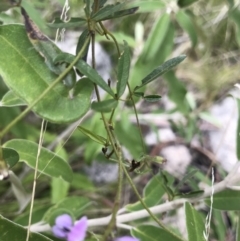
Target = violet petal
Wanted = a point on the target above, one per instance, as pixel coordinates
(64, 221)
(127, 238)
(78, 231)
(58, 232)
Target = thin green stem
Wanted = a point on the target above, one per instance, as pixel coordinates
(129, 89)
(96, 6)
(49, 88)
(106, 32)
(144, 204)
(112, 222)
(138, 124)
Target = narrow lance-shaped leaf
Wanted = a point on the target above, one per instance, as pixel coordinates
(186, 178)
(107, 11)
(162, 69)
(138, 94)
(123, 70)
(113, 11)
(87, 8)
(100, 4)
(191, 194)
(99, 139)
(105, 105)
(152, 192)
(225, 200)
(195, 224)
(152, 98)
(185, 3)
(72, 23)
(81, 41)
(186, 23)
(155, 42)
(177, 92)
(152, 233)
(121, 13)
(85, 69)
(49, 163)
(144, 6)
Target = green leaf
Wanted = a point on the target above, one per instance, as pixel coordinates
(186, 178)
(82, 86)
(48, 50)
(12, 231)
(138, 94)
(186, 23)
(189, 194)
(99, 139)
(82, 182)
(238, 228)
(162, 69)
(75, 205)
(234, 15)
(147, 6)
(107, 11)
(113, 11)
(72, 23)
(105, 105)
(82, 39)
(155, 40)
(158, 46)
(123, 70)
(10, 100)
(195, 224)
(59, 187)
(85, 69)
(128, 134)
(37, 214)
(153, 233)
(185, 3)
(57, 212)
(49, 163)
(10, 156)
(152, 98)
(225, 200)
(219, 226)
(152, 193)
(121, 13)
(100, 4)
(238, 130)
(87, 8)
(28, 76)
(177, 92)
(19, 192)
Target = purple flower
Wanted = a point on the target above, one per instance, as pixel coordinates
(127, 238)
(64, 228)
